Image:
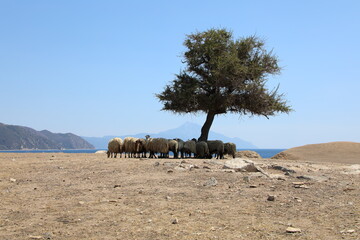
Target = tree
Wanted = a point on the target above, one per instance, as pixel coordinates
(222, 76)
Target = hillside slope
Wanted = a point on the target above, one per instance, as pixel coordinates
(18, 137)
(339, 152)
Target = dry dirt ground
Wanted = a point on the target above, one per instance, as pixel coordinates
(88, 196)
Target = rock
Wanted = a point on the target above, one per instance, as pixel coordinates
(314, 178)
(247, 154)
(239, 165)
(300, 185)
(293, 230)
(347, 231)
(281, 168)
(35, 237)
(101, 152)
(211, 182)
(244, 165)
(12, 180)
(48, 235)
(180, 168)
(352, 169)
(81, 202)
(304, 177)
(278, 177)
(271, 198)
(174, 221)
(246, 179)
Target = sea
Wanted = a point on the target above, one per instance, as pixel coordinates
(264, 153)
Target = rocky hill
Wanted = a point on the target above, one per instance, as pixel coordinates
(18, 137)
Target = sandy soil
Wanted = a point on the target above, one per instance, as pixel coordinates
(340, 152)
(88, 196)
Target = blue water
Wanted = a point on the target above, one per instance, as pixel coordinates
(264, 153)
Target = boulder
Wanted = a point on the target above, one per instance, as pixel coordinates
(241, 165)
(247, 154)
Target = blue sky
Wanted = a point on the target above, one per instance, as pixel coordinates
(93, 67)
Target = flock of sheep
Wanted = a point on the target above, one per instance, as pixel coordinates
(160, 147)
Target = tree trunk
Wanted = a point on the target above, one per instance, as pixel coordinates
(206, 127)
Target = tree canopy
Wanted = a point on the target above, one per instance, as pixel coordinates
(224, 75)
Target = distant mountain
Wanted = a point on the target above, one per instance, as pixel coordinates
(18, 137)
(185, 132)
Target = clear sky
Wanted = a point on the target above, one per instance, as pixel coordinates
(93, 67)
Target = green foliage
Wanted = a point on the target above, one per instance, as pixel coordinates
(224, 75)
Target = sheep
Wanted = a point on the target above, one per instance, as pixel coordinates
(129, 146)
(216, 147)
(149, 145)
(230, 148)
(180, 146)
(174, 147)
(202, 150)
(157, 145)
(115, 146)
(140, 147)
(189, 148)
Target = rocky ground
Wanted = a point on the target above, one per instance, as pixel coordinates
(88, 196)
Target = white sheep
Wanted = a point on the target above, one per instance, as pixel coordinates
(130, 146)
(157, 145)
(115, 146)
